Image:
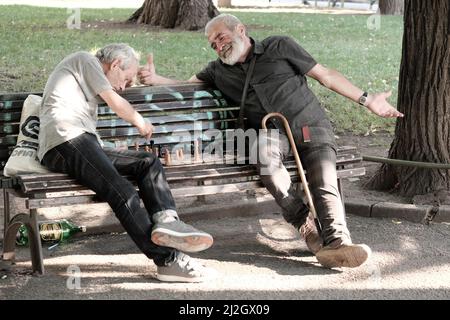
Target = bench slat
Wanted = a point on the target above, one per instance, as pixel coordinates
(133, 91)
(341, 160)
(161, 120)
(168, 106)
(177, 193)
(190, 191)
(10, 116)
(167, 128)
(158, 118)
(64, 183)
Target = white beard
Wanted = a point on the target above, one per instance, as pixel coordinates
(237, 49)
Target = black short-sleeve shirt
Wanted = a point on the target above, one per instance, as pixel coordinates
(278, 84)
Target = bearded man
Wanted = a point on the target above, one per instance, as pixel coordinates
(279, 84)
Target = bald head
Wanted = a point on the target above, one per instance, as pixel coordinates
(225, 19)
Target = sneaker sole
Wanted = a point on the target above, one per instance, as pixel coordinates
(191, 242)
(348, 257)
(166, 278)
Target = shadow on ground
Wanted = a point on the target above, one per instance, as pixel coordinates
(257, 257)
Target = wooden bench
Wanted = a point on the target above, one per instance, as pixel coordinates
(182, 116)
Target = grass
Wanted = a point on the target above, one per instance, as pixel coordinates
(33, 40)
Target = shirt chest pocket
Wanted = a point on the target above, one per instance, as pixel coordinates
(270, 70)
(291, 93)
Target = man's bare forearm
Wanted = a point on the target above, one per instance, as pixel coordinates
(341, 85)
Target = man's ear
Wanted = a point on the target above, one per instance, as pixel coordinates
(240, 28)
(115, 64)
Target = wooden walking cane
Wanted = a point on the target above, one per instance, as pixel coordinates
(301, 172)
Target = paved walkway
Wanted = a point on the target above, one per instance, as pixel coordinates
(258, 257)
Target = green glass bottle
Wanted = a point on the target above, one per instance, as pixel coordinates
(50, 231)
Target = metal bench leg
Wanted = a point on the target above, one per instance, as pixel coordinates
(6, 212)
(37, 258)
(201, 199)
(9, 242)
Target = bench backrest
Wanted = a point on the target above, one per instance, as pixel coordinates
(181, 115)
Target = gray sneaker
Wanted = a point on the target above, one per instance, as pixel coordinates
(185, 269)
(181, 236)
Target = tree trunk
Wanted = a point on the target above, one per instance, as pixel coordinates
(424, 97)
(392, 7)
(184, 14)
(224, 3)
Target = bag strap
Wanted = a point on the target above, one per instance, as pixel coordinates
(244, 93)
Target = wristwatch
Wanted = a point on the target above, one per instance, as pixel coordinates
(363, 99)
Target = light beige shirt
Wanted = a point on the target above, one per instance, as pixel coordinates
(70, 99)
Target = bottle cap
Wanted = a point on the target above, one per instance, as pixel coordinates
(83, 228)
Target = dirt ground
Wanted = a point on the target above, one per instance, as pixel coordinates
(373, 145)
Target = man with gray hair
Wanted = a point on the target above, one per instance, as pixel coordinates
(279, 84)
(68, 143)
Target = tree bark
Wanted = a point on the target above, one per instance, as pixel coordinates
(224, 3)
(391, 7)
(184, 14)
(424, 97)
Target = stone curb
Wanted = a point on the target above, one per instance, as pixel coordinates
(367, 209)
(409, 212)
(105, 222)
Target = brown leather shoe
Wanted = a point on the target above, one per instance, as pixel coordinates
(310, 234)
(339, 254)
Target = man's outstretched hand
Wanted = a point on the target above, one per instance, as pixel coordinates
(147, 73)
(378, 104)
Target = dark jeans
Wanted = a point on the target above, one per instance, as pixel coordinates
(319, 162)
(101, 170)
